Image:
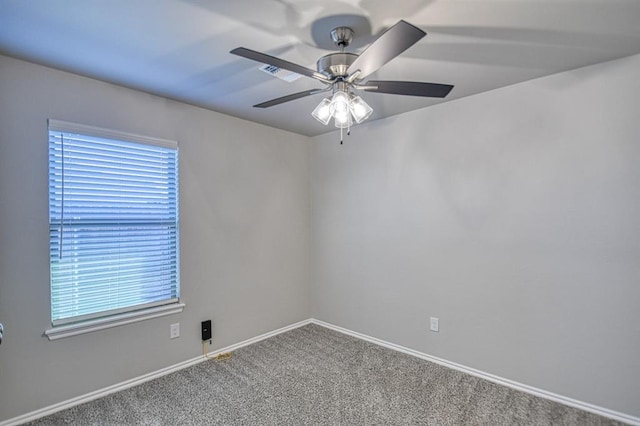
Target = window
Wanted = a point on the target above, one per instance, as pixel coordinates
(113, 223)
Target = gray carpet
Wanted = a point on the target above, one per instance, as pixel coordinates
(315, 376)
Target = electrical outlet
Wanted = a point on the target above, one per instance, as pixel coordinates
(206, 330)
(174, 330)
(434, 324)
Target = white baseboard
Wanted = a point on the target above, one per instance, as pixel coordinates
(164, 371)
(141, 379)
(605, 412)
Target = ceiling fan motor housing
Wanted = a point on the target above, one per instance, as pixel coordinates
(335, 64)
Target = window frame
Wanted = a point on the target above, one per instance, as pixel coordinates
(111, 318)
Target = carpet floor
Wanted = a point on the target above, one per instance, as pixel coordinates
(316, 376)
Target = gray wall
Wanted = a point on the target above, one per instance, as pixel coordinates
(245, 234)
(513, 216)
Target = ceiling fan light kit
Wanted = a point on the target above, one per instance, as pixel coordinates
(343, 73)
(343, 107)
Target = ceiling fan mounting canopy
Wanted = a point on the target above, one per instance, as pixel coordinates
(342, 36)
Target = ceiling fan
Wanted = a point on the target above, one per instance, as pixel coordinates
(343, 73)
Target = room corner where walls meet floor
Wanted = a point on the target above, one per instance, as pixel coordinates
(461, 368)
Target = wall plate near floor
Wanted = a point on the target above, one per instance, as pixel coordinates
(174, 330)
(433, 324)
(206, 330)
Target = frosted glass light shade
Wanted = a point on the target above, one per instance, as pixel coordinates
(360, 109)
(340, 104)
(343, 121)
(322, 113)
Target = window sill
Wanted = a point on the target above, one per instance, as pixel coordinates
(90, 326)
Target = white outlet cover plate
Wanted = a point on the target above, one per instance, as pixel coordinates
(434, 326)
(174, 331)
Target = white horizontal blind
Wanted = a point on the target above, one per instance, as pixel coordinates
(113, 222)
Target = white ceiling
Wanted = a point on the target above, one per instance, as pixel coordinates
(180, 48)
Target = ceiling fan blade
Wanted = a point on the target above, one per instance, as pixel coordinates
(390, 44)
(281, 63)
(288, 98)
(411, 88)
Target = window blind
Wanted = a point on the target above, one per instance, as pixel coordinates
(113, 222)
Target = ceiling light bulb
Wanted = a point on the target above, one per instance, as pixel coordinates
(343, 120)
(342, 116)
(360, 109)
(340, 103)
(322, 113)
